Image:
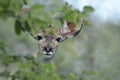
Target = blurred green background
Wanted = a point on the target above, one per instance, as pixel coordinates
(92, 55)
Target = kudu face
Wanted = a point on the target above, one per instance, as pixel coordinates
(49, 39)
(48, 42)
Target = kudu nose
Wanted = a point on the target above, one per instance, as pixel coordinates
(47, 49)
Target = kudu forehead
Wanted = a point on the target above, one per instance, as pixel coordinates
(50, 33)
(49, 37)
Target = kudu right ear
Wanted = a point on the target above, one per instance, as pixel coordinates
(68, 30)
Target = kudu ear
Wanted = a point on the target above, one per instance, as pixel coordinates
(68, 30)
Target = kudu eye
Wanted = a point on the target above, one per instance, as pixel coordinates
(59, 39)
(39, 37)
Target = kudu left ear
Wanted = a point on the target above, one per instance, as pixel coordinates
(68, 30)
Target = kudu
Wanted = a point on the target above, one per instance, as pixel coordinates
(49, 39)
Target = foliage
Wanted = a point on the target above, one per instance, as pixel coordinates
(31, 69)
(28, 17)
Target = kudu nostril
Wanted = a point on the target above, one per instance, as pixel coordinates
(47, 49)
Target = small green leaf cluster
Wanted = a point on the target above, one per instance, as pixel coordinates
(9, 8)
(86, 11)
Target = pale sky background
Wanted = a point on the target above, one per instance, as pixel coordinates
(104, 9)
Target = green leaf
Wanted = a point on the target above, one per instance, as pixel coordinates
(1, 9)
(36, 7)
(3, 16)
(71, 76)
(91, 72)
(24, 17)
(88, 9)
(86, 23)
(14, 6)
(94, 72)
(27, 26)
(2, 47)
(5, 59)
(18, 26)
(55, 76)
(5, 3)
(27, 2)
(38, 13)
(83, 14)
(5, 73)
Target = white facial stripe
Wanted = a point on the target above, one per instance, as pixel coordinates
(44, 52)
(50, 53)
